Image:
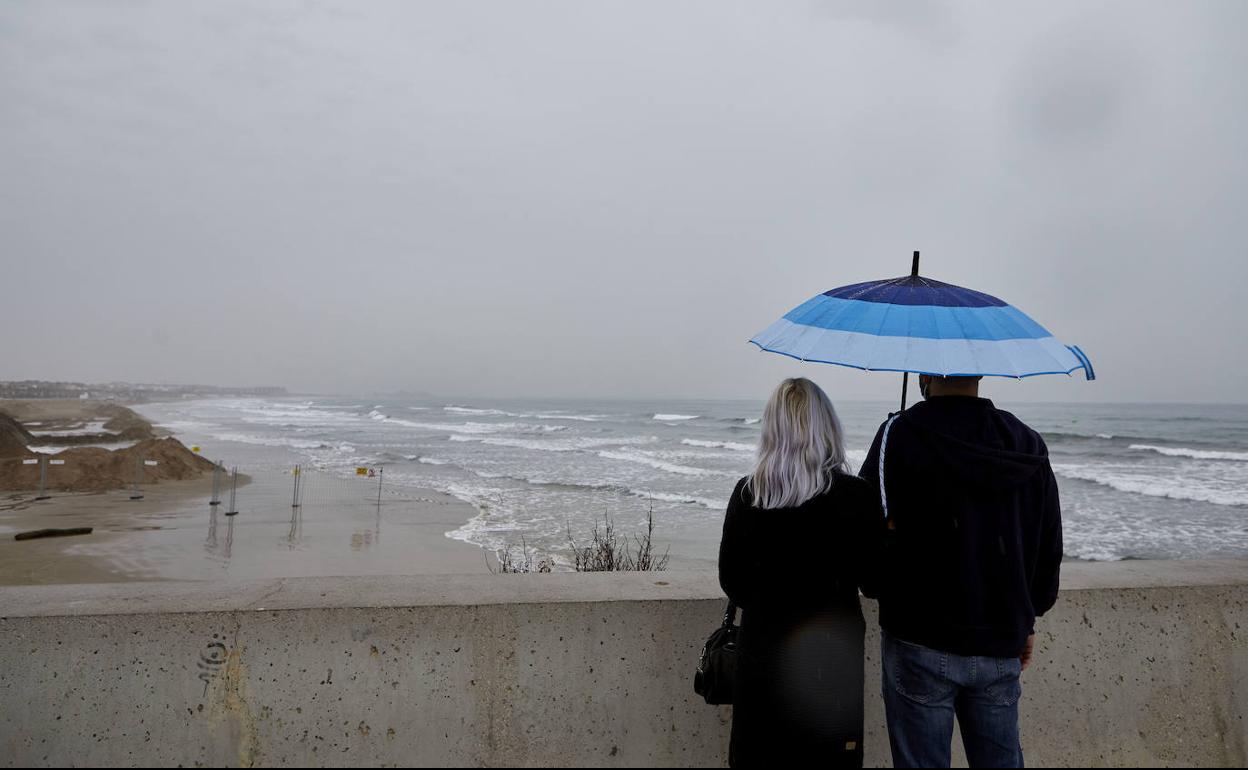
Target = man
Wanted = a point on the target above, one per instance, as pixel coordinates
(973, 548)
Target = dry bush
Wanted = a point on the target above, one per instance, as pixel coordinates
(607, 553)
(512, 564)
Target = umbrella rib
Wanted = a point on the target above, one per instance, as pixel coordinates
(1001, 329)
(996, 320)
(1047, 352)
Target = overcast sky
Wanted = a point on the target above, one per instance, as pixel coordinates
(610, 198)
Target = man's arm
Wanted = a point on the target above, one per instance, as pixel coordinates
(866, 542)
(734, 572)
(1047, 577)
(870, 538)
(870, 469)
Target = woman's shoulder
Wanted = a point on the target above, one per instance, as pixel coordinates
(847, 486)
(851, 482)
(740, 492)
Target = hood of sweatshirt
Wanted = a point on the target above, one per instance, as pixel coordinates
(972, 441)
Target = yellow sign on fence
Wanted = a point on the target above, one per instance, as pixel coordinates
(361, 471)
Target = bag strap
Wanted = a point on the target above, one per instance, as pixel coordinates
(730, 614)
(888, 426)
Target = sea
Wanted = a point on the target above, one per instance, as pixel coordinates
(1137, 481)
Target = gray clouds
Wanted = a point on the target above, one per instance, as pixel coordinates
(609, 198)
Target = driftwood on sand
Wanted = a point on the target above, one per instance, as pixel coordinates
(40, 533)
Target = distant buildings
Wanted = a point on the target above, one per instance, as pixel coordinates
(126, 391)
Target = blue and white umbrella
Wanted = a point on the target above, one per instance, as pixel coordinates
(916, 324)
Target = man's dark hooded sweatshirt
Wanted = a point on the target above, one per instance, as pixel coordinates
(974, 542)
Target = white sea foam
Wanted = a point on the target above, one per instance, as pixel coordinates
(733, 445)
(186, 426)
(1174, 489)
(497, 526)
(522, 415)
(258, 412)
(700, 455)
(428, 460)
(557, 445)
(578, 417)
(752, 420)
(276, 441)
(1197, 454)
(1105, 436)
(475, 428)
(542, 481)
(518, 443)
(643, 458)
(675, 417)
(470, 410)
(304, 417)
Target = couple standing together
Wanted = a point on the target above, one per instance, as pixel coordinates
(953, 524)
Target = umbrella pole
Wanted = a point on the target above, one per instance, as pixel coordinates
(905, 376)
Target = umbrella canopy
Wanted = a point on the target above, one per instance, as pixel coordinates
(916, 324)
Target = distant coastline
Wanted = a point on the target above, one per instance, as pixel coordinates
(129, 393)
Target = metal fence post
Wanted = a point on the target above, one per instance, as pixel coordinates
(216, 484)
(138, 473)
(233, 511)
(43, 479)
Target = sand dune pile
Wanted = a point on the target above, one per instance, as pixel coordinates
(71, 418)
(13, 438)
(126, 424)
(91, 469)
(87, 468)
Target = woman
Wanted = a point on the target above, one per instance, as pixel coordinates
(798, 536)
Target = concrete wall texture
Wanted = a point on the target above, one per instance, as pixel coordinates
(1140, 664)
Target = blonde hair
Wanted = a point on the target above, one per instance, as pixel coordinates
(800, 449)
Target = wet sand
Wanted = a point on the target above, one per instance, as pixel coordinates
(173, 534)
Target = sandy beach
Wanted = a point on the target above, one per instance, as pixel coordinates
(173, 534)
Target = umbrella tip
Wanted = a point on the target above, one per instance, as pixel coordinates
(914, 266)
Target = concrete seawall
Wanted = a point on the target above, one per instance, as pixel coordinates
(1141, 663)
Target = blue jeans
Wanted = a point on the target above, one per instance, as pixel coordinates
(924, 688)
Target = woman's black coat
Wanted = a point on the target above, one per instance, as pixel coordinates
(795, 574)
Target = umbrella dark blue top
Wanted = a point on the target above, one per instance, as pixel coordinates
(916, 324)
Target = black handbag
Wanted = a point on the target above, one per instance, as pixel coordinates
(716, 676)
